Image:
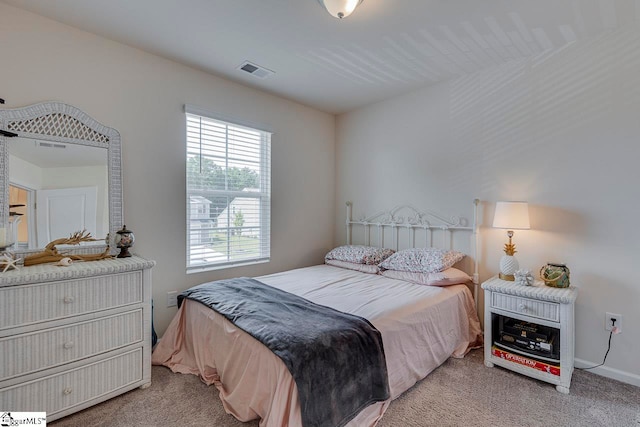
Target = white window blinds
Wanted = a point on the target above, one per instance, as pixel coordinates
(228, 193)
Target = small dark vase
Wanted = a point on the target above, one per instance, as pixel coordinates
(124, 240)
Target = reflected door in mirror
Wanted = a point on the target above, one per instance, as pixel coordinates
(18, 201)
(62, 212)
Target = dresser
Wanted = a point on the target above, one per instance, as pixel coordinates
(71, 337)
(530, 330)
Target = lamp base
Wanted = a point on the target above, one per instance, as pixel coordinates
(507, 277)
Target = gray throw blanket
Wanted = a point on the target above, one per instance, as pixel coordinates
(336, 359)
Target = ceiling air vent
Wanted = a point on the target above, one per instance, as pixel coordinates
(255, 70)
(49, 145)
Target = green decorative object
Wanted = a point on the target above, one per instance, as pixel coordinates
(555, 275)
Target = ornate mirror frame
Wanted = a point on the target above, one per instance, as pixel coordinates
(59, 122)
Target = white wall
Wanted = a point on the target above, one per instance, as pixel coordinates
(561, 131)
(25, 174)
(142, 96)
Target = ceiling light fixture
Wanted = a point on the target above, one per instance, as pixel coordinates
(340, 8)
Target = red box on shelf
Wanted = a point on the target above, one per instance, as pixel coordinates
(534, 364)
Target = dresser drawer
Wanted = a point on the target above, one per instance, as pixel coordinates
(28, 304)
(58, 392)
(32, 352)
(526, 306)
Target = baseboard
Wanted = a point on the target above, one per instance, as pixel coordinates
(612, 373)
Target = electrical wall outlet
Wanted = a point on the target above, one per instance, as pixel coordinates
(609, 323)
(172, 298)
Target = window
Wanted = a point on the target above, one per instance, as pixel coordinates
(228, 193)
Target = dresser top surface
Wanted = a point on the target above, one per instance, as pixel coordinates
(78, 269)
(538, 291)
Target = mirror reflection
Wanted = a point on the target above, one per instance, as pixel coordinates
(56, 189)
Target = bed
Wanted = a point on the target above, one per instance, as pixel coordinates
(421, 326)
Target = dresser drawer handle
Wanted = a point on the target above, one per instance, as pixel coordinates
(67, 391)
(68, 345)
(68, 300)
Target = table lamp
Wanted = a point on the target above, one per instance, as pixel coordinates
(511, 216)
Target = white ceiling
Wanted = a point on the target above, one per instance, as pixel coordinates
(385, 48)
(48, 154)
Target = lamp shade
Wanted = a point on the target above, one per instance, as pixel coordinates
(512, 215)
(340, 8)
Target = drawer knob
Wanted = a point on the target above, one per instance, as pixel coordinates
(68, 300)
(67, 390)
(68, 344)
(522, 307)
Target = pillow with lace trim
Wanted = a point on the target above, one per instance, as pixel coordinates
(358, 254)
(422, 260)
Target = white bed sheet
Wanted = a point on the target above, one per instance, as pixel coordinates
(421, 326)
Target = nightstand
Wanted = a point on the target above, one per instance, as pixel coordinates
(530, 330)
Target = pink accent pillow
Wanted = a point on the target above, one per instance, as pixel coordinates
(364, 268)
(450, 276)
(357, 254)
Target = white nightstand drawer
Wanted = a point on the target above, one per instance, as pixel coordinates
(65, 390)
(28, 353)
(526, 306)
(24, 305)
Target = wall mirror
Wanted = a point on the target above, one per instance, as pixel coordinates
(60, 174)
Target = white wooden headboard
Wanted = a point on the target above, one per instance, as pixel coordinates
(410, 228)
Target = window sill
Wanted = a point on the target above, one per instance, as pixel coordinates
(212, 267)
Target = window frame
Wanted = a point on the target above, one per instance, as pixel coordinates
(263, 195)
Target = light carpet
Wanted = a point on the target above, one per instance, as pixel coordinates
(461, 392)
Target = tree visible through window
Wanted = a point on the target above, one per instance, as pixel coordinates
(228, 193)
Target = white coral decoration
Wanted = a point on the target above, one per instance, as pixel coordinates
(65, 262)
(7, 262)
(524, 277)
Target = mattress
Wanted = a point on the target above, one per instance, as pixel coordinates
(421, 326)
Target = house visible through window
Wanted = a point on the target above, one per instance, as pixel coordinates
(228, 193)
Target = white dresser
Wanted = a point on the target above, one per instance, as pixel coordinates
(71, 337)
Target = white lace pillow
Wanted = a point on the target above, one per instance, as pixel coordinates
(364, 268)
(450, 276)
(422, 260)
(357, 254)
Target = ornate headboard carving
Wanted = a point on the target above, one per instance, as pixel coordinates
(416, 221)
